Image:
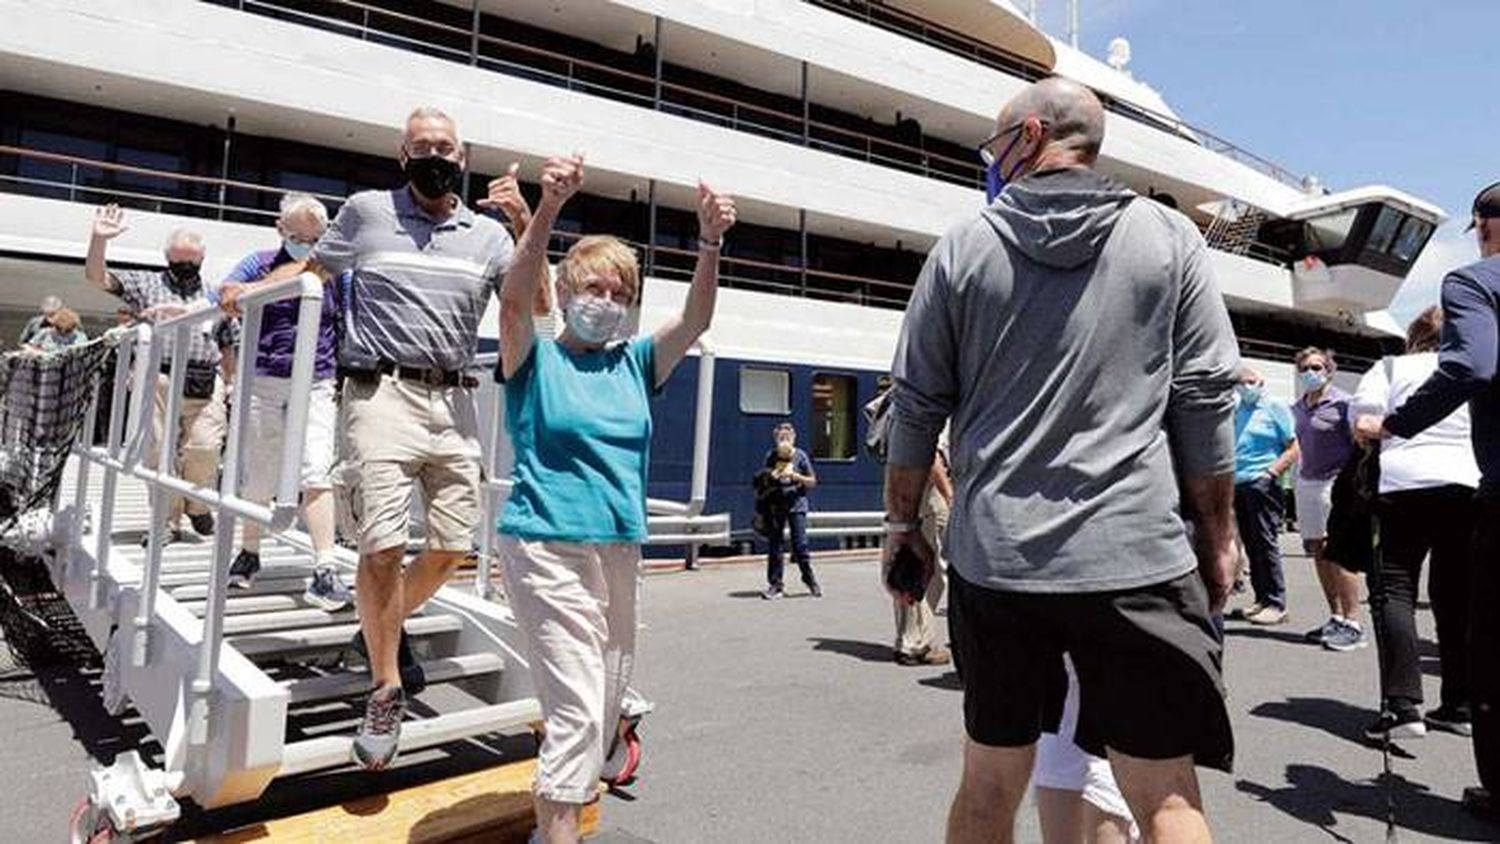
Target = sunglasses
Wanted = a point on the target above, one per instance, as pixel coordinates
(987, 155)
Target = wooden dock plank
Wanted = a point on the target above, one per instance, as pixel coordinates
(492, 805)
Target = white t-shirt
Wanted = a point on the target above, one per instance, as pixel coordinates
(1440, 455)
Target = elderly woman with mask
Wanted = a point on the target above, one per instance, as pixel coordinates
(571, 532)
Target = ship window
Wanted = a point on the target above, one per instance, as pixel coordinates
(1413, 237)
(1385, 229)
(833, 419)
(1331, 230)
(765, 391)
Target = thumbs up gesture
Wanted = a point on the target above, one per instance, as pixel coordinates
(505, 196)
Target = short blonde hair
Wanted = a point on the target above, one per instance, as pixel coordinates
(295, 203)
(65, 320)
(599, 253)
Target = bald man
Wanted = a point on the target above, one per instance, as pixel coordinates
(1074, 334)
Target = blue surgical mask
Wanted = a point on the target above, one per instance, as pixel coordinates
(1312, 380)
(994, 180)
(295, 249)
(1249, 393)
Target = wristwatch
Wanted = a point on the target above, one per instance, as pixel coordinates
(893, 527)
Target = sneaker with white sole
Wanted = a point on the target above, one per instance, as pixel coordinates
(1401, 724)
(326, 590)
(1451, 719)
(1269, 616)
(1347, 636)
(1320, 634)
(243, 570)
(380, 732)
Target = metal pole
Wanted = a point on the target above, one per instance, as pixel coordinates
(474, 21)
(160, 502)
(806, 107)
(1073, 23)
(656, 73)
(650, 227)
(468, 151)
(104, 526)
(802, 245)
(224, 164)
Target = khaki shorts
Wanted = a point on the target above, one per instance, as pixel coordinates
(264, 424)
(401, 433)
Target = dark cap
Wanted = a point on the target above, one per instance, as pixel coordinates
(1486, 204)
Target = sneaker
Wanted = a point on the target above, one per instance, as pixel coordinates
(413, 676)
(1319, 635)
(1406, 724)
(1451, 719)
(1245, 613)
(168, 537)
(1347, 637)
(380, 731)
(1268, 617)
(203, 523)
(931, 656)
(327, 591)
(772, 593)
(242, 571)
(815, 590)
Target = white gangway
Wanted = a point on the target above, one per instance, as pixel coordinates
(221, 680)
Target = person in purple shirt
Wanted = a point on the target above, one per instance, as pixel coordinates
(302, 221)
(1325, 437)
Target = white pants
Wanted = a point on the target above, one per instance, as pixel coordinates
(575, 604)
(1063, 765)
(264, 428)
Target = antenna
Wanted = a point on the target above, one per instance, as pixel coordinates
(1073, 23)
(1031, 11)
(1119, 54)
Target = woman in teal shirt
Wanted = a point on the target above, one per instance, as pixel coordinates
(571, 532)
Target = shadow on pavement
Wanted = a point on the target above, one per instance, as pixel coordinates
(947, 682)
(866, 651)
(1316, 796)
(1335, 717)
(1277, 634)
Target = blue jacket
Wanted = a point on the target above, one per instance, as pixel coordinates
(1467, 364)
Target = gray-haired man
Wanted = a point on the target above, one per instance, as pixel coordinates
(422, 268)
(153, 293)
(1074, 334)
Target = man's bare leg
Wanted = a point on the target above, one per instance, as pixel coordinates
(559, 823)
(994, 781)
(1163, 796)
(427, 574)
(1067, 818)
(317, 509)
(382, 610)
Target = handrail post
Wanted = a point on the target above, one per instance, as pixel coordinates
(81, 490)
(160, 501)
(491, 406)
(104, 524)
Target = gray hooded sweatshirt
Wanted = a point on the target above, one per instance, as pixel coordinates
(1074, 333)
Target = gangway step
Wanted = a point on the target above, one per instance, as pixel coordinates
(280, 574)
(248, 604)
(284, 620)
(332, 636)
(325, 752)
(194, 587)
(355, 683)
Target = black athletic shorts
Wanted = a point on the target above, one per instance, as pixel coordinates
(1148, 660)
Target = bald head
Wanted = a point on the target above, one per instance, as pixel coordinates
(1072, 114)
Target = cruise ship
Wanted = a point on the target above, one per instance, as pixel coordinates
(846, 128)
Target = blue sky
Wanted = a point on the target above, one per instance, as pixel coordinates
(1399, 92)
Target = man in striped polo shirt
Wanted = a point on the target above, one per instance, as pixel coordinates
(422, 268)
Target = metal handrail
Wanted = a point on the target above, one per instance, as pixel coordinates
(984, 53)
(116, 457)
(972, 172)
(897, 297)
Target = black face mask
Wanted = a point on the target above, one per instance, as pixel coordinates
(433, 177)
(183, 271)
